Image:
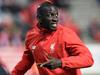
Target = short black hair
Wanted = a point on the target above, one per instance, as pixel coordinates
(44, 6)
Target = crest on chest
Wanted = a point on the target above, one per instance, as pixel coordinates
(52, 47)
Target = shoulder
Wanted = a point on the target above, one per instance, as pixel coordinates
(31, 34)
(65, 29)
(66, 32)
(69, 35)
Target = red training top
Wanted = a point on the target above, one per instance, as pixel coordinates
(63, 44)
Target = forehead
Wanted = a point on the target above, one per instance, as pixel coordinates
(50, 9)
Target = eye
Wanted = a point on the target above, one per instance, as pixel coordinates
(56, 15)
(48, 15)
(53, 14)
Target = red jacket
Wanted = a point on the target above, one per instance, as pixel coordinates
(62, 43)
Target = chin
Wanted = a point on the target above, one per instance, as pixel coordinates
(53, 28)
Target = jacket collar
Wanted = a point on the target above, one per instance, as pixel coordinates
(43, 30)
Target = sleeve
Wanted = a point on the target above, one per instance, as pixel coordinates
(79, 54)
(26, 61)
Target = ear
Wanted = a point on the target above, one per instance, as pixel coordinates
(39, 16)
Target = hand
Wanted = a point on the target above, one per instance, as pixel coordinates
(52, 64)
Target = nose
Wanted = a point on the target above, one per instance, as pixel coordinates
(54, 19)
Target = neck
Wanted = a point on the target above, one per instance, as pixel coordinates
(44, 30)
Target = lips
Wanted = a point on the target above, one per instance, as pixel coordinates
(54, 25)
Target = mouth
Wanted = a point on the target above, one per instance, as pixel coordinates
(53, 26)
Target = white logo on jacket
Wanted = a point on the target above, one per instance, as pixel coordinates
(33, 48)
(52, 47)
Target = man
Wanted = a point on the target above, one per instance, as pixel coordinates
(94, 30)
(3, 69)
(55, 49)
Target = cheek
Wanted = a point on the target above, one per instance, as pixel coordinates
(47, 20)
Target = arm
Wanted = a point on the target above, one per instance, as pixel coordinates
(26, 61)
(25, 64)
(79, 55)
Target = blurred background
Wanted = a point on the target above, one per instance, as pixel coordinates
(18, 16)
